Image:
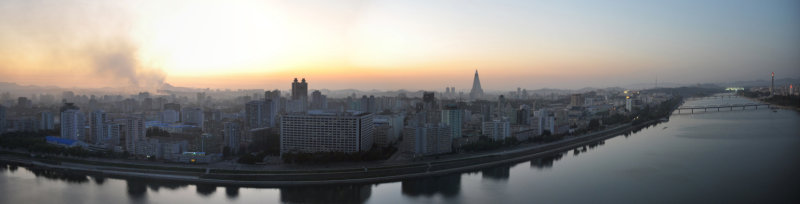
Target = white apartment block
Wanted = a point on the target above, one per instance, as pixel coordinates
(327, 132)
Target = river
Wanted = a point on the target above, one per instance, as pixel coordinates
(739, 156)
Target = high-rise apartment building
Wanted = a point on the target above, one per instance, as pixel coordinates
(192, 116)
(134, 132)
(327, 132)
(497, 129)
(258, 114)
(233, 135)
(73, 124)
(299, 100)
(318, 101)
(46, 121)
(97, 125)
(427, 139)
(452, 116)
(113, 133)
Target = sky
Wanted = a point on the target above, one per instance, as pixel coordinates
(395, 44)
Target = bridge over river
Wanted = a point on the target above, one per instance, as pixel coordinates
(743, 106)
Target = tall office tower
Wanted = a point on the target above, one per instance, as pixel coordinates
(97, 124)
(72, 124)
(46, 120)
(256, 114)
(318, 101)
(134, 133)
(2, 119)
(477, 91)
(233, 135)
(452, 116)
(327, 132)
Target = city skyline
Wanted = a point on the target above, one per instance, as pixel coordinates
(377, 101)
(381, 44)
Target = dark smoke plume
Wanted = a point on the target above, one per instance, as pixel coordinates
(118, 59)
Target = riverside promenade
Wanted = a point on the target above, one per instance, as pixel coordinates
(348, 174)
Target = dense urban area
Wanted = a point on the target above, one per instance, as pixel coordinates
(231, 128)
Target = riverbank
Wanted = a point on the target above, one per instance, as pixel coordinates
(335, 176)
(780, 101)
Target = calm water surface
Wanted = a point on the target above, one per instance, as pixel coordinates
(740, 156)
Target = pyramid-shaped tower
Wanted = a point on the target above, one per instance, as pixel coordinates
(477, 91)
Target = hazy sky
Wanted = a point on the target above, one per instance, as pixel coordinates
(396, 44)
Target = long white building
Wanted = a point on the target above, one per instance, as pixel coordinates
(327, 132)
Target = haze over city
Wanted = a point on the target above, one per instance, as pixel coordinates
(395, 45)
(359, 101)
